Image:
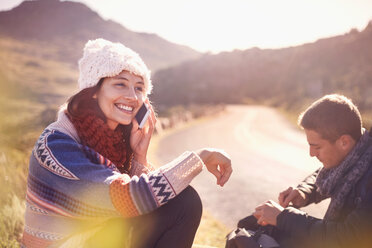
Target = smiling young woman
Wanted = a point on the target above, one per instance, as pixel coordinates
(89, 182)
(120, 97)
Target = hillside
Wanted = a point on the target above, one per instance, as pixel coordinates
(40, 44)
(68, 25)
(289, 77)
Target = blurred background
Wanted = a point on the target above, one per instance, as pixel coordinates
(238, 71)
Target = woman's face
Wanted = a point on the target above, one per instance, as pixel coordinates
(120, 97)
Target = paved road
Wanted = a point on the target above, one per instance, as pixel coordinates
(268, 154)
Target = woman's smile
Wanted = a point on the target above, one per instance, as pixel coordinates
(120, 97)
(124, 108)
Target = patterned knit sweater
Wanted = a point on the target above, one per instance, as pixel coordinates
(70, 185)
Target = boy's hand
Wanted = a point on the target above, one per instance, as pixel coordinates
(294, 196)
(267, 213)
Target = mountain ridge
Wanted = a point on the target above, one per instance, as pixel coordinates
(70, 24)
(290, 77)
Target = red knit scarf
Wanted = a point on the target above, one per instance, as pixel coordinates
(96, 134)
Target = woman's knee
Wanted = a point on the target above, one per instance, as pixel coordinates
(191, 203)
(186, 206)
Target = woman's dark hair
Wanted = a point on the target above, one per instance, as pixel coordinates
(82, 102)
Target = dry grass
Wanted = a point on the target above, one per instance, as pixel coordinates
(211, 233)
(13, 173)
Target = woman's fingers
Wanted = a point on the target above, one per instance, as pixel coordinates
(134, 125)
(225, 175)
(216, 173)
(151, 108)
(225, 168)
(211, 160)
(225, 171)
(150, 125)
(151, 121)
(218, 163)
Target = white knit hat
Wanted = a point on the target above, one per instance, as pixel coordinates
(103, 58)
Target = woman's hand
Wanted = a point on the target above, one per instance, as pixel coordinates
(218, 163)
(140, 137)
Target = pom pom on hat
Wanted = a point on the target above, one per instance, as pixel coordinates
(103, 58)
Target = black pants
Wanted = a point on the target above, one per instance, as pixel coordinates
(172, 225)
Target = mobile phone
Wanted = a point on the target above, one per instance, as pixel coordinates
(142, 115)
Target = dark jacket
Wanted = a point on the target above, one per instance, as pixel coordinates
(352, 229)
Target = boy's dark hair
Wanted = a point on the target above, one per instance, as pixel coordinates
(332, 116)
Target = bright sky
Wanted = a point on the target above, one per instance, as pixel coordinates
(224, 25)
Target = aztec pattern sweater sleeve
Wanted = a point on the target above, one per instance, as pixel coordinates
(73, 181)
(137, 169)
(139, 195)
